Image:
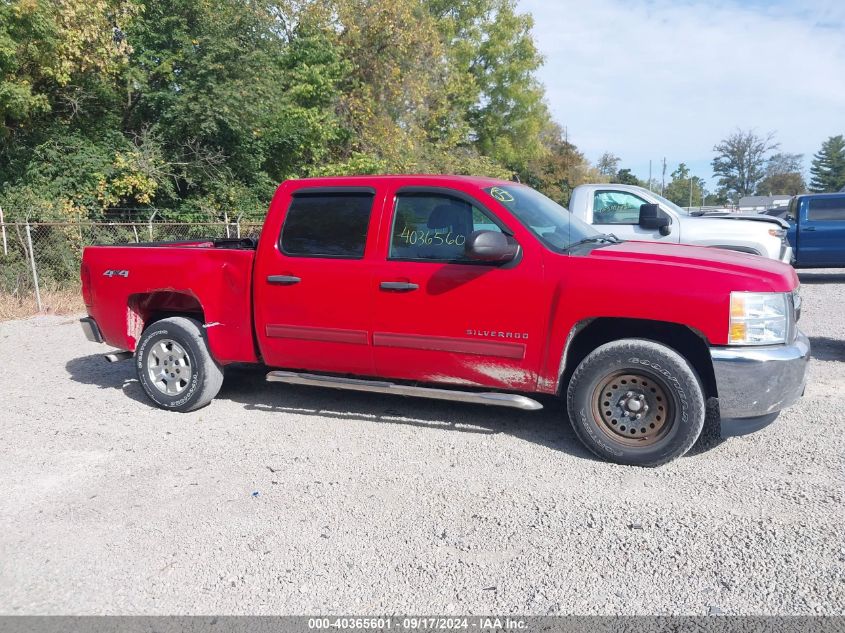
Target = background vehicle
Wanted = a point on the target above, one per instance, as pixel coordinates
(817, 230)
(481, 290)
(616, 208)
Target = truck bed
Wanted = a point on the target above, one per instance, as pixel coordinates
(208, 278)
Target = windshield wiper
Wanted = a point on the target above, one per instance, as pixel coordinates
(610, 238)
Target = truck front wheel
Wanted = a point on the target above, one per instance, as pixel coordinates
(636, 402)
(175, 367)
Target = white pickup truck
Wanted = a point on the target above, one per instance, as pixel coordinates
(635, 213)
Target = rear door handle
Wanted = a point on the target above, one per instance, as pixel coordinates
(809, 228)
(398, 286)
(282, 280)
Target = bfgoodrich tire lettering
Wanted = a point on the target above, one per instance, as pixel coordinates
(636, 402)
(206, 376)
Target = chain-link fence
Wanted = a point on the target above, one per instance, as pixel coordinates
(39, 261)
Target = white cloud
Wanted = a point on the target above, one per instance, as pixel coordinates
(670, 78)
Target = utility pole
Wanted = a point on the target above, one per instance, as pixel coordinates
(690, 191)
(649, 174)
(663, 181)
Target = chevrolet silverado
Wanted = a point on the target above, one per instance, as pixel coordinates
(465, 289)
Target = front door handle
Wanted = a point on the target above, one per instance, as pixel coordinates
(282, 280)
(398, 286)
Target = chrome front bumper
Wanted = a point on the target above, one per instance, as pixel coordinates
(760, 381)
(786, 255)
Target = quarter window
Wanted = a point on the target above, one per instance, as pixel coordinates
(435, 227)
(616, 207)
(327, 225)
(826, 209)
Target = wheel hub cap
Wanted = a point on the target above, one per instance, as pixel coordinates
(632, 408)
(169, 367)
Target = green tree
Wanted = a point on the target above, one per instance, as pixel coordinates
(608, 164)
(203, 106)
(403, 98)
(782, 176)
(494, 60)
(740, 160)
(560, 168)
(684, 189)
(715, 199)
(625, 177)
(828, 167)
(48, 45)
(59, 65)
(209, 80)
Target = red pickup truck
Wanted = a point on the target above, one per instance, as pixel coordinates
(466, 289)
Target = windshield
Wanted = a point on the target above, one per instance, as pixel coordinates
(669, 204)
(545, 218)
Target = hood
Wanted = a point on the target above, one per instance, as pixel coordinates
(762, 271)
(751, 217)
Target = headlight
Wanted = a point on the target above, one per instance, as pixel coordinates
(777, 232)
(758, 318)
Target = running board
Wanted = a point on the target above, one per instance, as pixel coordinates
(117, 356)
(355, 384)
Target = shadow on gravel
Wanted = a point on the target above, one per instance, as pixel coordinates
(246, 386)
(95, 370)
(547, 427)
(821, 278)
(824, 348)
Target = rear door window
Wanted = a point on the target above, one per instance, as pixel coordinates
(826, 209)
(327, 225)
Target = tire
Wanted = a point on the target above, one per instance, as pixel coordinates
(624, 379)
(175, 367)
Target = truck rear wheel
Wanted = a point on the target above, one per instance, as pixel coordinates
(636, 402)
(175, 367)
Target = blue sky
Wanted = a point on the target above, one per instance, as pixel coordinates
(648, 79)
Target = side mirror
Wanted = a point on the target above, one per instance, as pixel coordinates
(490, 246)
(652, 218)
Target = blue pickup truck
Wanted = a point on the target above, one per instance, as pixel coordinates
(817, 230)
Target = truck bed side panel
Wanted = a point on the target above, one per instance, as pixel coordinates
(131, 284)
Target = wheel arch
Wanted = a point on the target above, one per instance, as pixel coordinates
(146, 308)
(589, 334)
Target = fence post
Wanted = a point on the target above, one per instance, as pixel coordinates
(135, 231)
(226, 221)
(150, 224)
(238, 221)
(32, 263)
(3, 226)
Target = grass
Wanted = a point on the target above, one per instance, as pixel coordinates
(64, 301)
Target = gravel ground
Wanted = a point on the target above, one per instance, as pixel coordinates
(281, 499)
